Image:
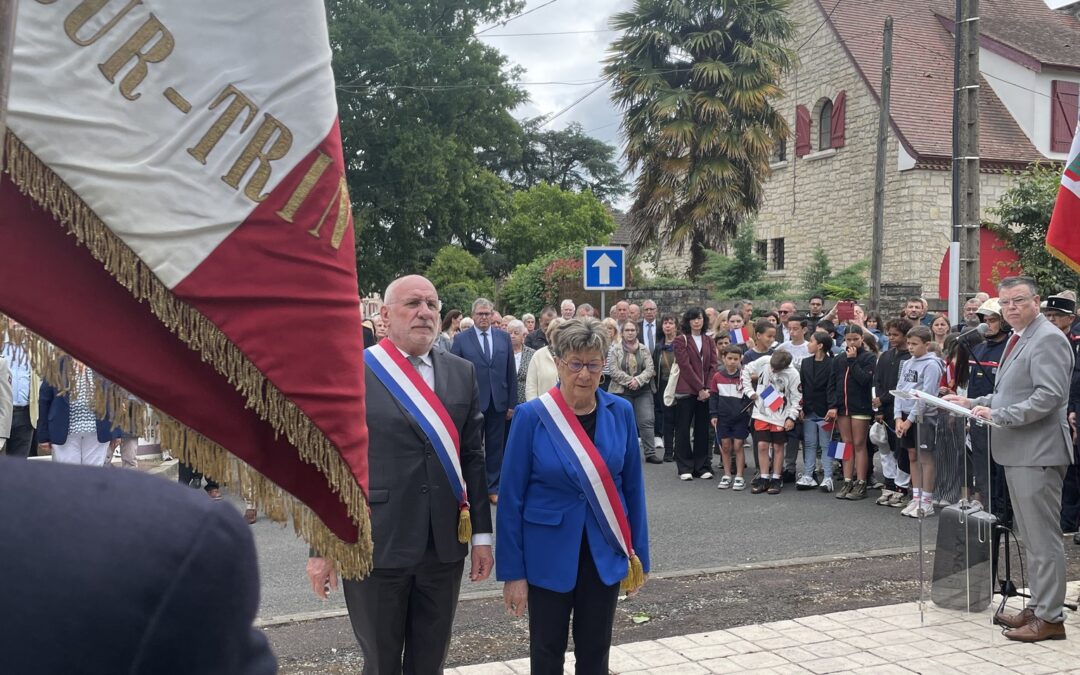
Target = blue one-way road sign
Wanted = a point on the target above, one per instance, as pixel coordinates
(605, 268)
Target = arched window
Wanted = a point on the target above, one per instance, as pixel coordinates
(825, 125)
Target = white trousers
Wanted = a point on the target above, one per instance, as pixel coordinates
(81, 449)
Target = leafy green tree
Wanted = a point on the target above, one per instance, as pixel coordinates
(1024, 213)
(423, 108)
(568, 159)
(814, 277)
(849, 283)
(696, 81)
(741, 275)
(546, 218)
(459, 278)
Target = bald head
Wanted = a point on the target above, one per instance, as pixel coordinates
(410, 312)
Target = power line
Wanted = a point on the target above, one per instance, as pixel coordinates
(567, 108)
(516, 16)
(949, 58)
(356, 88)
(560, 32)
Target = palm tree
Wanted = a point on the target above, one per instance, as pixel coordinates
(696, 81)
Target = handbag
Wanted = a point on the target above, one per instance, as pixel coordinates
(672, 384)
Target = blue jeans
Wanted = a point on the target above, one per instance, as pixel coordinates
(814, 439)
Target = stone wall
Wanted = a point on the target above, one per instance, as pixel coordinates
(674, 300)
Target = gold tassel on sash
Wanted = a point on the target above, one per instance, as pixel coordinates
(635, 576)
(464, 527)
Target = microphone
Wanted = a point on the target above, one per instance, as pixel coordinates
(977, 332)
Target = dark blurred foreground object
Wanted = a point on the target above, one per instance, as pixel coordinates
(171, 587)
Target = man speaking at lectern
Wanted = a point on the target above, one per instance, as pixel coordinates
(1033, 443)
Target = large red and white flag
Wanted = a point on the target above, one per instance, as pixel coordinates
(175, 214)
(1063, 236)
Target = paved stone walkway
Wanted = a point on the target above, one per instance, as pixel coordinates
(905, 638)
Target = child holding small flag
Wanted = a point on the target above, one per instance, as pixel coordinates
(850, 405)
(921, 372)
(728, 408)
(777, 402)
(814, 374)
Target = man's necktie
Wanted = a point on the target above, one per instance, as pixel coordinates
(1009, 347)
(649, 336)
(487, 348)
(416, 362)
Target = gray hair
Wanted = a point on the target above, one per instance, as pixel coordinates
(1013, 282)
(482, 302)
(580, 335)
(526, 316)
(515, 325)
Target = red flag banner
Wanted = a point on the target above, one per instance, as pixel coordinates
(1063, 235)
(175, 214)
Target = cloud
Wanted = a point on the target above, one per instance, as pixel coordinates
(576, 58)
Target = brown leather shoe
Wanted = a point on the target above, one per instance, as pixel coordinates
(1037, 630)
(1018, 620)
(251, 515)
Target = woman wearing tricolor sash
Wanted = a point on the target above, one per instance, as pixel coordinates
(572, 523)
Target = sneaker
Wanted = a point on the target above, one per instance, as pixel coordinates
(857, 492)
(845, 489)
(925, 510)
(166, 456)
(658, 442)
(900, 500)
(775, 484)
(886, 495)
(910, 509)
(686, 476)
(725, 483)
(707, 475)
(874, 484)
(805, 483)
(739, 483)
(759, 485)
(826, 485)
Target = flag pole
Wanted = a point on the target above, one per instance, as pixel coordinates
(8, 11)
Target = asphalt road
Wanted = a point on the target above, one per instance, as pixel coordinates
(692, 526)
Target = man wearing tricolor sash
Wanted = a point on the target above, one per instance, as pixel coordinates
(427, 491)
(572, 517)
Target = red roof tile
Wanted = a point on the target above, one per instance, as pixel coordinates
(922, 84)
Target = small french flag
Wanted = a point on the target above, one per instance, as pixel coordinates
(772, 398)
(839, 450)
(739, 336)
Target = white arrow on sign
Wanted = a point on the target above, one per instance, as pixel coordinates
(604, 263)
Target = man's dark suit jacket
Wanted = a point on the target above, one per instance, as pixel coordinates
(497, 376)
(110, 571)
(409, 492)
(54, 419)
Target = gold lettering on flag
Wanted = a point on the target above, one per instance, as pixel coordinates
(256, 150)
(132, 50)
(272, 140)
(217, 131)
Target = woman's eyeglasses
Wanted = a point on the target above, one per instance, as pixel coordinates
(593, 367)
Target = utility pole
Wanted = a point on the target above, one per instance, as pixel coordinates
(879, 168)
(965, 166)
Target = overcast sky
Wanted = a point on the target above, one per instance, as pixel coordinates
(564, 58)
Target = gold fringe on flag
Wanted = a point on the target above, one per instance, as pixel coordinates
(37, 181)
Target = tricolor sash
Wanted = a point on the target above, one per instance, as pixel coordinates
(410, 390)
(595, 479)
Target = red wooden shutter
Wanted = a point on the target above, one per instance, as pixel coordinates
(802, 131)
(1063, 111)
(839, 119)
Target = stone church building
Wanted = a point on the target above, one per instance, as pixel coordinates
(822, 183)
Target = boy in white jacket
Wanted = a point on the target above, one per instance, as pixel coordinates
(773, 386)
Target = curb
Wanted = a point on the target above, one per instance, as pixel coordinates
(303, 617)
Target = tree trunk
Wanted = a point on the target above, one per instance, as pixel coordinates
(697, 255)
